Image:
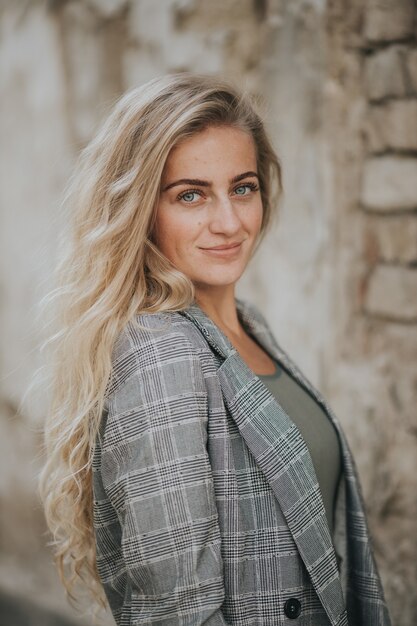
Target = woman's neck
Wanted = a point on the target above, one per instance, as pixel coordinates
(222, 310)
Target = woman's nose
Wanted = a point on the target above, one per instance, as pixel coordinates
(225, 217)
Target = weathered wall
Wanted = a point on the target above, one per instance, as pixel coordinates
(337, 275)
(373, 130)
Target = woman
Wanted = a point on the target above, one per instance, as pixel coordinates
(194, 474)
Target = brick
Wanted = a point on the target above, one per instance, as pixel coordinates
(391, 238)
(385, 73)
(392, 292)
(389, 183)
(411, 63)
(375, 129)
(388, 20)
(393, 126)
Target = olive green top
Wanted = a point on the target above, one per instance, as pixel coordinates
(316, 428)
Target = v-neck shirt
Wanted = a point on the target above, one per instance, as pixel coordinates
(316, 428)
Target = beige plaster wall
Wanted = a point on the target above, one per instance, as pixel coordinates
(336, 277)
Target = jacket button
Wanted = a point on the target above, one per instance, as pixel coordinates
(292, 608)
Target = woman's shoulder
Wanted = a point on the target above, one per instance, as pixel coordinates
(153, 340)
(148, 329)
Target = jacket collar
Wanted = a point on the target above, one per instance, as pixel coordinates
(257, 326)
(279, 448)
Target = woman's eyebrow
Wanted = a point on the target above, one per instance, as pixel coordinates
(207, 183)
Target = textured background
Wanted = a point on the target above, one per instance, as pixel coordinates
(336, 278)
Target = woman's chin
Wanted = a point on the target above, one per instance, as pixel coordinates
(222, 280)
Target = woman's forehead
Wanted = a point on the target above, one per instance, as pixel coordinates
(212, 148)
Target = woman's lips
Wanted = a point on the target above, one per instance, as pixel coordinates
(223, 251)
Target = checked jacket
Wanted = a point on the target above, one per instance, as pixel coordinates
(207, 508)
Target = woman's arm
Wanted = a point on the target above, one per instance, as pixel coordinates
(157, 476)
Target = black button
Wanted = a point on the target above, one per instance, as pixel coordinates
(292, 608)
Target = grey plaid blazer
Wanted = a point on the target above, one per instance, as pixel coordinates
(207, 508)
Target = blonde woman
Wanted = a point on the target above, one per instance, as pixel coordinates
(194, 474)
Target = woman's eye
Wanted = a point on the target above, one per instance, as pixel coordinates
(188, 196)
(240, 191)
(192, 195)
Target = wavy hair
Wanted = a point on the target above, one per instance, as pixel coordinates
(110, 271)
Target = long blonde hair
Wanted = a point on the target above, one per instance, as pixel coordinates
(110, 271)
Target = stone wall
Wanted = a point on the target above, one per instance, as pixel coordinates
(336, 277)
(388, 200)
(373, 125)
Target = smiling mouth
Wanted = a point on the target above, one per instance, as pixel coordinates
(229, 247)
(223, 251)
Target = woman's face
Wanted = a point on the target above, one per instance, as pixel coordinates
(210, 197)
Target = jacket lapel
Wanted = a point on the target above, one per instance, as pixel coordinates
(279, 449)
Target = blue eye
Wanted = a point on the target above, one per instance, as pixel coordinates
(187, 196)
(250, 186)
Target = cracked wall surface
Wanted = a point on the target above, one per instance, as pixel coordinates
(337, 275)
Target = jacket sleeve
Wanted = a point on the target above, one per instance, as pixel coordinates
(156, 473)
